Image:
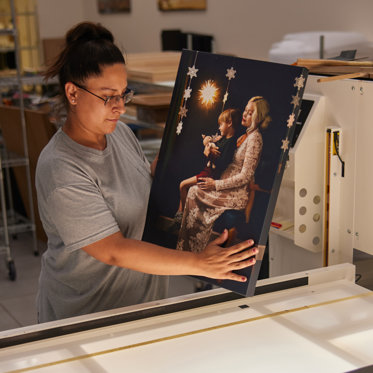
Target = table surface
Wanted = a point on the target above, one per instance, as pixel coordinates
(325, 328)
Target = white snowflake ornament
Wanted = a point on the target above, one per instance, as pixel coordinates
(192, 72)
(291, 120)
(179, 128)
(295, 101)
(231, 73)
(187, 93)
(183, 112)
(285, 144)
(225, 98)
(299, 82)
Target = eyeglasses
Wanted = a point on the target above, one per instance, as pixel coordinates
(111, 100)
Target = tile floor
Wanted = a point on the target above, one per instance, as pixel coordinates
(17, 298)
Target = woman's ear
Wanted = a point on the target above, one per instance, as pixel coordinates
(71, 93)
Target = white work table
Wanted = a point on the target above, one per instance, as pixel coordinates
(325, 326)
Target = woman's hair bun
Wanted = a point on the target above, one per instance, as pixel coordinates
(88, 47)
(87, 31)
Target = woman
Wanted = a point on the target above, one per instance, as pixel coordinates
(93, 183)
(210, 198)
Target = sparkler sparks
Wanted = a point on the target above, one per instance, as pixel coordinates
(208, 93)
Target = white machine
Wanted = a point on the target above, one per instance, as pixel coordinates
(327, 188)
(314, 320)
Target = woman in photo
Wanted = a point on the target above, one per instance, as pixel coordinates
(207, 200)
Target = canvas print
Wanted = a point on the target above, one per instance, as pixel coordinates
(171, 5)
(113, 6)
(223, 153)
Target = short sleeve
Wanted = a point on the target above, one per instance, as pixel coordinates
(80, 215)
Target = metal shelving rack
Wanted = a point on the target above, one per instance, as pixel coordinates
(12, 222)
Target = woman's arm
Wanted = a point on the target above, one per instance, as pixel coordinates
(252, 156)
(214, 262)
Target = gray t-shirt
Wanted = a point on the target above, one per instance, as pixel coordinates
(85, 195)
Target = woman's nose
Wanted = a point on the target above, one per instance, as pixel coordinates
(120, 107)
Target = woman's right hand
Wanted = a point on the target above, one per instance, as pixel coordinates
(219, 262)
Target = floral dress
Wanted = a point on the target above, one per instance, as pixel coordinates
(202, 208)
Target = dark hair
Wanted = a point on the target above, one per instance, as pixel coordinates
(231, 115)
(88, 47)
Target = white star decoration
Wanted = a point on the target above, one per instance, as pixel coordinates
(187, 93)
(299, 82)
(192, 72)
(179, 127)
(231, 73)
(285, 144)
(183, 112)
(295, 100)
(291, 120)
(225, 98)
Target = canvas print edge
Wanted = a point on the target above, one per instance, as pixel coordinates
(263, 240)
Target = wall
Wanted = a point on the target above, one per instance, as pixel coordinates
(246, 28)
(56, 17)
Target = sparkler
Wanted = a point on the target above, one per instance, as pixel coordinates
(208, 93)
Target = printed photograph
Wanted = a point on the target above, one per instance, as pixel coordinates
(223, 153)
(171, 5)
(113, 6)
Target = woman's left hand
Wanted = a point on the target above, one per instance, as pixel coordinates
(206, 183)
